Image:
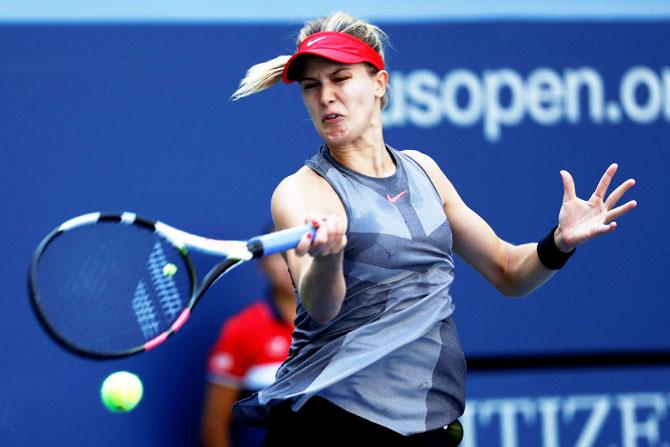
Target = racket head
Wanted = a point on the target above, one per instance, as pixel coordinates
(108, 286)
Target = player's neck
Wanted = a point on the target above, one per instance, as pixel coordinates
(367, 157)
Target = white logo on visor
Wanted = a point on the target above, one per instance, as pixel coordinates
(313, 41)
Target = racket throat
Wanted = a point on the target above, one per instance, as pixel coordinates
(256, 248)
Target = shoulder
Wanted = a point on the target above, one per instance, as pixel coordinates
(442, 184)
(298, 181)
(431, 168)
(426, 162)
(302, 193)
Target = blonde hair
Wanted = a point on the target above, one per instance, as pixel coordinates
(268, 73)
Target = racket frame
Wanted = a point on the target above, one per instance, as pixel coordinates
(236, 252)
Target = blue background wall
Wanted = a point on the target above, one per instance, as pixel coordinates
(137, 117)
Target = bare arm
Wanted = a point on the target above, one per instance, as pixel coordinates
(217, 415)
(516, 270)
(315, 265)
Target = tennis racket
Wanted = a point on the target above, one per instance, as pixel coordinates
(109, 286)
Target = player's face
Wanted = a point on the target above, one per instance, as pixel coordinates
(343, 100)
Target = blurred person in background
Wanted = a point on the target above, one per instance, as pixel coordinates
(251, 346)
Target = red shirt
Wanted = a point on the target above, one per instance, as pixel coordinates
(250, 348)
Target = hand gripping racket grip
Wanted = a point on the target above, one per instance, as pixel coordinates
(278, 241)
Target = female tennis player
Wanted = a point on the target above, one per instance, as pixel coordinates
(375, 352)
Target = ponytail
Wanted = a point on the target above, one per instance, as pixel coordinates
(261, 76)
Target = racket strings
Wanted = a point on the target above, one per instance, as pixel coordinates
(111, 287)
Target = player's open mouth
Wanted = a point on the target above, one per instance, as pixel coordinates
(331, 117)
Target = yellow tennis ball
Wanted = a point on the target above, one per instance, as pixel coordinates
(121, 391)
(169, 269)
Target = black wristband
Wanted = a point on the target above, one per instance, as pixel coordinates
(550, 256)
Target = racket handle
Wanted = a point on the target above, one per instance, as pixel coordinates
(278, 241)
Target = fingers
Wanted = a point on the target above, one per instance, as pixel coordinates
(619, 211)
(608, 228)
(303, 246)
(330, 236)
(616, 195)
(605, 181)
(568, 186)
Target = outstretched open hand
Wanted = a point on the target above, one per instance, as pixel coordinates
(580, 220)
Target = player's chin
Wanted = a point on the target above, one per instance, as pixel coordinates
(335, 136)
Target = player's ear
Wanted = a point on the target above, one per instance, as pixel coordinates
(381, 81)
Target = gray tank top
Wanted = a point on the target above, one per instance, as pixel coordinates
(392, 355)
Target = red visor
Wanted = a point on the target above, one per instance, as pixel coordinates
(338, 47)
